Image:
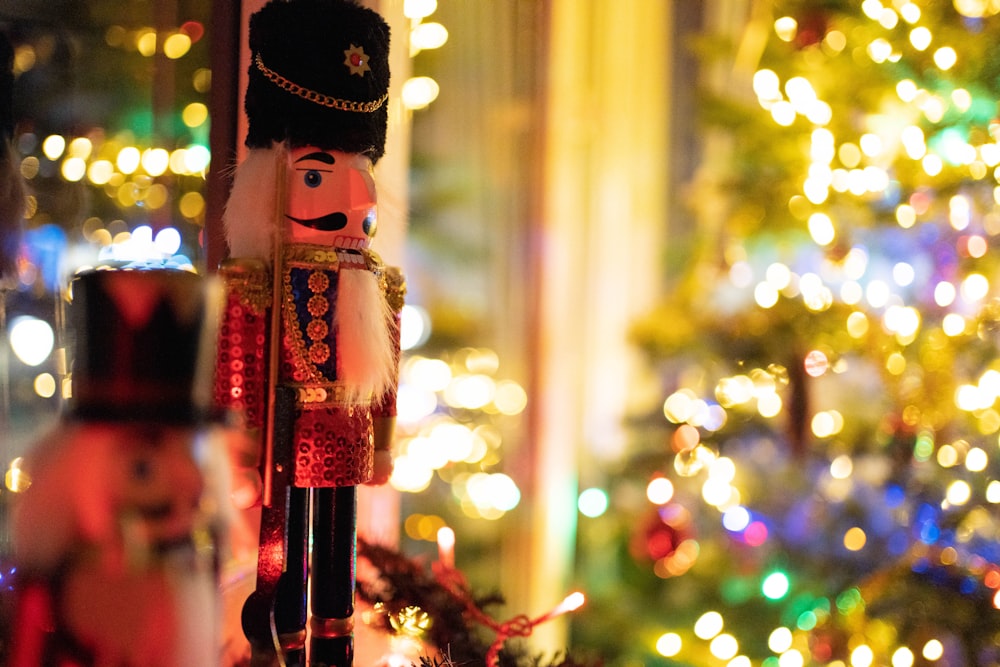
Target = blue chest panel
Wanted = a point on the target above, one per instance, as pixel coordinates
(314, 296)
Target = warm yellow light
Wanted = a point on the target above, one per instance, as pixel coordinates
(724, 647)
(975, 287)
(100, 171)
(932, 164)
(145, 43)
(177, 161)
(945, 58)
(933, 650)
(128, 159)
(906, 90)
(835, 41)
(902, 657)
(791, 658)
(904, 321)
(16, 479)
(888, 19)
(959, 492)
(880, 50)
(769, 405)
(194, 114)
(197, 158)
(191, 205)
(910, 12)
(53, 146)
(895, 363)
(871, 144)
(913, 142)
(418, 92)
(819, 113)
(510, 398)
(977, 9)
(659, 491)
(906, 216)
(821, 229)
(953, 324)
(786, 28)
(783, 113)
(920, 38)
(428, 36)
(669, 644)
(45, 385)
(877, 293)
(800, 93)
(872, 9)
(765, 295)
(73, 169)
(708, 625)
(80, 147)
(857, 324)
(155, 161)
(855, 539)
(780, 640)
(827, 423)
(766, 85)
(993, 492)
(418, 9)
(176, 45)
(862, 656)
(962, 99)
(976, 460)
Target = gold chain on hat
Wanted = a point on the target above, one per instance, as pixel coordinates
(317, 97)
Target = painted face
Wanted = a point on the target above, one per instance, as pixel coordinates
(331, 198)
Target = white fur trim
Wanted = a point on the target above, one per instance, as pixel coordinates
(250, 218)
(366, 354)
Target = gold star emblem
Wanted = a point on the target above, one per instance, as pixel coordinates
(356, 60)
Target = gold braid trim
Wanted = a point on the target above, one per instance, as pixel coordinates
(315, 96)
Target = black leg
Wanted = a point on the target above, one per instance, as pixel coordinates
(290, 597)
(334, 557)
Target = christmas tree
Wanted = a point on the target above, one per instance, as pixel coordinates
(821, 485)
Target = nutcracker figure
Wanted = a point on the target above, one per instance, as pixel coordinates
(309, 346)
(117, 539)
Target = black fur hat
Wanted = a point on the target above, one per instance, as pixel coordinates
(319, 76)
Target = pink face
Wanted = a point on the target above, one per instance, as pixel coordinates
(331, 198)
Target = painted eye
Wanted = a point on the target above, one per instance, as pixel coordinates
(313, 178)
(369, 224)
(142, 468)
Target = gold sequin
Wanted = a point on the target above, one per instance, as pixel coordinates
(318, 305)
(319, 281)
(317, 329)
(319, 352)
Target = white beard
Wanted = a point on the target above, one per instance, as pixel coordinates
(365, 347)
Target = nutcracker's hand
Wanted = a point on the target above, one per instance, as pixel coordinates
(244, 454)
(382, 468)
(383, 464)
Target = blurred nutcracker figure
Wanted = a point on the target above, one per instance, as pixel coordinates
(116, 538)
(309, 348)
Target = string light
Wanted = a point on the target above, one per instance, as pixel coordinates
(453, 581)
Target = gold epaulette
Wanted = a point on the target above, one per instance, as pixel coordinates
(250, 280)
(395, 287)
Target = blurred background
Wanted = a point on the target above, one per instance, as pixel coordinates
(702, 315)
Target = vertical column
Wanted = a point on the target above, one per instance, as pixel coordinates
(600, 239)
